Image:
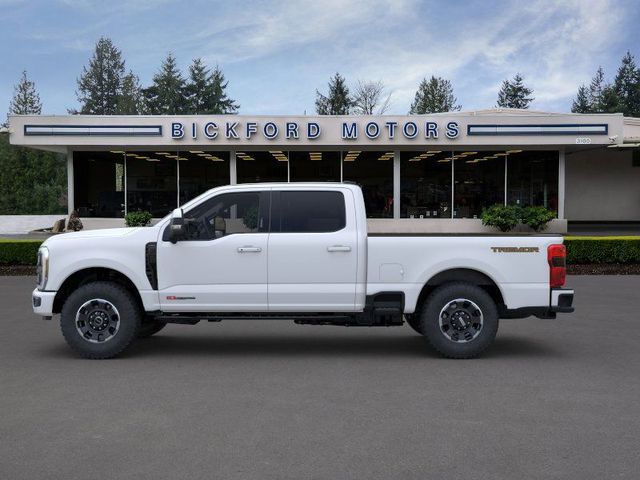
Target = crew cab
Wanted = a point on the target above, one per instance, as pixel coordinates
(296, 251)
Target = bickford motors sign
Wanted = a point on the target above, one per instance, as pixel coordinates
(291, 130)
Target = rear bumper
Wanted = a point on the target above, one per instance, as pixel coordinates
(42, 302)
(560, 301)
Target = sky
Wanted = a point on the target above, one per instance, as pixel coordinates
(275, 54)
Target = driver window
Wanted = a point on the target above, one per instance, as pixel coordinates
(224, 215)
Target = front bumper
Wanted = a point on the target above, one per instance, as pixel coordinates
(42, 302)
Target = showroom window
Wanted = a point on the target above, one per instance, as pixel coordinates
(201, 170)
(532, 178)
(317, 166)
(478, 182)
(373, 171)
(99, 183)
(256, 167)
(425, 184)
(152, 181)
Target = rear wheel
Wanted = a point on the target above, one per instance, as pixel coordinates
(100, 320)
(414, 321)
(459, 320)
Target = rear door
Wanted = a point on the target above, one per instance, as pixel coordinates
(312, 260)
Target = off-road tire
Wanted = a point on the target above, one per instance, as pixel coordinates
(150, 327)
(443, 297)
(415, 322)
(128, 310)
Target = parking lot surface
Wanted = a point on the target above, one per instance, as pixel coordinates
(273, 400)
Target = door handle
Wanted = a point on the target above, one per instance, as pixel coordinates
(249, 249)
(339, 248)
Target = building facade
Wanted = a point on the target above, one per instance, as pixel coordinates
(429, 168)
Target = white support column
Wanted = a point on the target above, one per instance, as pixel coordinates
(126, 191)
(70, 182)
(178, 182)
(396, 184)
(561, 183)
(233, 172)
(506, 167)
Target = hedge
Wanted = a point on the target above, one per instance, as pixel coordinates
(19, 252)
(580, 250)
(602, 249)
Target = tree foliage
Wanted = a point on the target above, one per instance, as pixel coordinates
(167, 94)
(130, 101)
(337, 101)
(514, 93)
(100, 85)
(626, 86)
(434, 95)
(370, 98)
(205, 91)
(26, 100)
(31, 181)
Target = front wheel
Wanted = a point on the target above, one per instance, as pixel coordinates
(459, 320)
(150, 327)
(100, 319)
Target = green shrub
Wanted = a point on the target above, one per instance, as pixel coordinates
(19, 252)
(137, 219)
(602, 249)
(537, 217)
(503, 217)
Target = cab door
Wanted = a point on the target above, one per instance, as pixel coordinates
(313, 251)
(221, 263)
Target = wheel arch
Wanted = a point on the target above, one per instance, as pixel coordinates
(468, 275)
(87, 275)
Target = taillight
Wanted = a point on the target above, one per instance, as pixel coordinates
(557, 257)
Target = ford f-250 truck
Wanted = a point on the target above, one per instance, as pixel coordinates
(297, 251)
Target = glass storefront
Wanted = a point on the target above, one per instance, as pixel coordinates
(433, 183)
(256, 167)
(373, 171)
(478, 182)
(425, 184)
(99, 184)
(532, 178)
(320, 166)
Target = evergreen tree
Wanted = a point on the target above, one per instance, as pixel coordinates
(222, 103)
(166, 96)
(581, 104)
(514, 93)
(596, 88)
(337, 101)
(130, 101)
(434, 95)
(627, 86)
(26, 100)
(100, 84)
(206, 92)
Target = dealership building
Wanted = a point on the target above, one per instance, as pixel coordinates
(427, 172)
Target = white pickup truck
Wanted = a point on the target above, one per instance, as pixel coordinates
(297, 251)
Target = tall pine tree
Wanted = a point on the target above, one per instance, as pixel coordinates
(337, 101)
(167, 95)
(206, 91)
(514, 93)
(581, 104)
(434, 95)
(130, 101)
(627, 86)
(26, 100)
(100, 84)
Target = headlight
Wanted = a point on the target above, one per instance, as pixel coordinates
(42, 267)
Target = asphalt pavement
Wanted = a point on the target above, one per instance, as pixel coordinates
(273, 400)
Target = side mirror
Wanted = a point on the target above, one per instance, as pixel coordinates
(176, 228)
